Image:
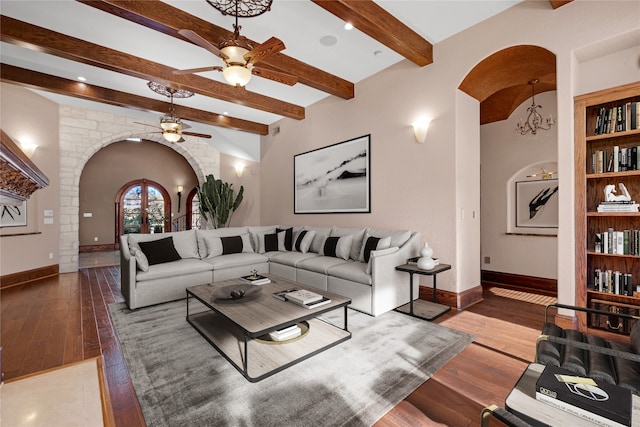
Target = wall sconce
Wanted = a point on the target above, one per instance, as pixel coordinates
(239, 170)
(180, 188)
(28, 148)
(420, 129)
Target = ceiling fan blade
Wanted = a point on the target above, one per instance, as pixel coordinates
(199, 135)
(276, 76)
(202, 42)
(197, 70)
(181, 140)
(145, 124)
(270, 47)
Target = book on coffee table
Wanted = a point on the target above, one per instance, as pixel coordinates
(255, 279)
(316, 300)
(602, 403)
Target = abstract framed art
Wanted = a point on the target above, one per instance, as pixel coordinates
(537, 204)
(334, 179)
(13, 216)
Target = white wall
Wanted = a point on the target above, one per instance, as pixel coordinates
(414, 186)
(507, 157)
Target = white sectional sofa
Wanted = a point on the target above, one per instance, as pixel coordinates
(358, 263)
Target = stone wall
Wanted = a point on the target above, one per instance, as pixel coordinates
(82, 133)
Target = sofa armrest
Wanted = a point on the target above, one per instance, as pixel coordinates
(389, 286)
(127, 273)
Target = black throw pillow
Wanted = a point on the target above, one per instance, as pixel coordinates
(330, 246)
(160, 251)
(370, 245)
(271, 242)
(288, 237)
(231, 245)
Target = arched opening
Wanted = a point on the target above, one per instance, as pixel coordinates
(500, 82)
(193, 210)
(142, 206)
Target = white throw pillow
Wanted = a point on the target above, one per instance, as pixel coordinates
(372, 243)
(263, 242)
(303, 240)
(141, 259)
(338, 247)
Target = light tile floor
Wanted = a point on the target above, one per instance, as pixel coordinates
(98, 259)
(65, 397)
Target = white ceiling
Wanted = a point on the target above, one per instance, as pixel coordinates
(300, 24)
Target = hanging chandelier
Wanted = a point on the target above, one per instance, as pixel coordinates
(534, 121)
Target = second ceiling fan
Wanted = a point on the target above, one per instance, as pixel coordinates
(239, 56)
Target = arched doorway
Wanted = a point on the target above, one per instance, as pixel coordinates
(142, 206)
(193, 210)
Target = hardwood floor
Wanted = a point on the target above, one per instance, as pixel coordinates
(64, 319)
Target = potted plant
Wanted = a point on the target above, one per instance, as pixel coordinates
(218, 201)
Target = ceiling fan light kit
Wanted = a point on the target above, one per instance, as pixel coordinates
(238, 55)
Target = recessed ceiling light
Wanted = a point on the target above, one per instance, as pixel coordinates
(328, 40)
(226, 113)
(377, 53)
(348, 26)
(82, 79)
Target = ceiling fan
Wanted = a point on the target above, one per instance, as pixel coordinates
(171, 126)
(239, 57)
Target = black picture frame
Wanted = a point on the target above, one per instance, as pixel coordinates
(537, 204)
(333, 179)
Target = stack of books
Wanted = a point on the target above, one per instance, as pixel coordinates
(287, 333)
(255, 279)
(626, 206)
(601, 403)
(302, 297)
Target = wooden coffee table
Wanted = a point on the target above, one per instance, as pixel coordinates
(239, 329)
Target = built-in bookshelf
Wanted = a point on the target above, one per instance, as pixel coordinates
(607, 146)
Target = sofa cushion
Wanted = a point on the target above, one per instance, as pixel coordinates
(337, 247)
(159, 251)
(319, 264)
(398, 238)
(217, 246)
(141, 260)
(600, 365)
(354, 271)
(288, 237)
(573, 358)
(356, 243)
(202, 235)
(372, 243)
(291, 258)
(549, 353)
(185, 242)
(173, 269)
(236, 260)
(270, 242)
(318, 242)
(303, 240)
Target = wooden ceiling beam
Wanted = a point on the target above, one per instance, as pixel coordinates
(36, 80)
(37, 38)
(377, 23)
(167, 19)
(559, 3)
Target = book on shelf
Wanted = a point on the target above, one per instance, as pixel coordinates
(618, 118)
(613, 282)
(318, 301)
(255, 279)
(599, 402)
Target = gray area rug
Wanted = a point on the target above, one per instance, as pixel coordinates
(180, 380)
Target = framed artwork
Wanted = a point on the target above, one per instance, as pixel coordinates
(13, 216)
(537, 203)
(334, 179)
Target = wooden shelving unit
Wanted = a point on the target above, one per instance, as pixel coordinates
(589, 188)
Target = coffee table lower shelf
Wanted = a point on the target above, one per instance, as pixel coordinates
(262, 360)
